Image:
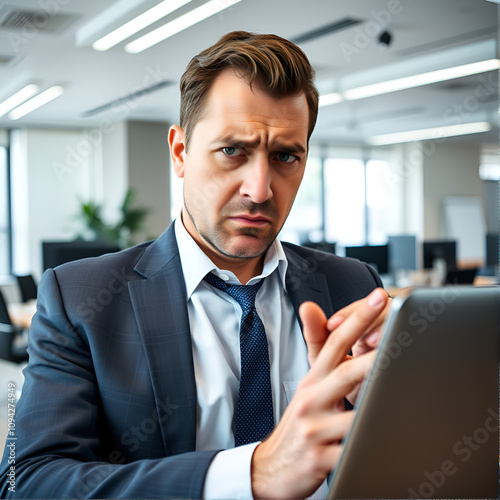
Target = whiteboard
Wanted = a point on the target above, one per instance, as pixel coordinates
(464, 222)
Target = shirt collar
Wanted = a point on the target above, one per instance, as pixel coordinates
(196, 265)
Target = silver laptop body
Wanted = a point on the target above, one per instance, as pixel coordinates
(427, 416)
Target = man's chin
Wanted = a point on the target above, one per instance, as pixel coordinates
(247, 247)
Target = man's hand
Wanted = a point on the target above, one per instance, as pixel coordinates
(295, 459)
(317, 329)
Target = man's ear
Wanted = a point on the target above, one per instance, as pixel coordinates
(176, 140)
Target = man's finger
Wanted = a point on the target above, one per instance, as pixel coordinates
(351, 329)
(344, 379)
(314, 329)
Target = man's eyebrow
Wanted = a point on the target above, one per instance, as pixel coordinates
(295, 147)
(277, 144)
(233, 141)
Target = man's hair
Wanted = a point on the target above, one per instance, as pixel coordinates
(275, 65)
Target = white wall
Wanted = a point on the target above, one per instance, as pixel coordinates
(52, 170)
(112, 158)
(148, 173)
(452, 169)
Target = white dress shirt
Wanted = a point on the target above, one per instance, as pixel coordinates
(214, 319)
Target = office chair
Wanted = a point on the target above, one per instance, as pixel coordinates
(27, 287)
(9, 349)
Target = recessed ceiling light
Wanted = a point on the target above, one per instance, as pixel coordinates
(431, 133)
(329, 99)
(421, 79)
(412, 81)
(138, 23)
(18, 98)
(36, 102)
(181, 23)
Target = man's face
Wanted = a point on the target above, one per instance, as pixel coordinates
(242, 169)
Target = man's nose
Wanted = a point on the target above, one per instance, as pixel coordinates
(256, 182)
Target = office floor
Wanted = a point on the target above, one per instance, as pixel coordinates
(9, 372)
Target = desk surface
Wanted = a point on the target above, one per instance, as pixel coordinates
(21, 314)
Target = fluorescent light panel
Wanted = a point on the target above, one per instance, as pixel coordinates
(18, 98)
(138, 23)
(411, 82)
(329, 99)
(431, 133)
(36, 102)
(422, 79)
(181, 23)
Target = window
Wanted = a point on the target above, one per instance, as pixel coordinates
(345, 201)
(305, 220)
(380, 202)
(489, 169)
(5, 265)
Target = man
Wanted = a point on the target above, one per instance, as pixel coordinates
(133, 386)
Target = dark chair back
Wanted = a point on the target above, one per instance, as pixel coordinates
(27, 287)
(4, 313)
(8, 333)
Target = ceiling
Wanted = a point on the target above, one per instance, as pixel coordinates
(426, 35)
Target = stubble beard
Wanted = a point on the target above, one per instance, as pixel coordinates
(218, 237)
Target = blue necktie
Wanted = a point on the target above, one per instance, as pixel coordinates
(254, 412)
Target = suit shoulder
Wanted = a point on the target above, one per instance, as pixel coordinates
(98, 268)
(319, 256)
(334, 266)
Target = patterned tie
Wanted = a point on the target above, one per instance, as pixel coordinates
(254, 412)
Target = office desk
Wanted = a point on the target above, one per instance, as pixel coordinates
(478, 281)
(21, 314)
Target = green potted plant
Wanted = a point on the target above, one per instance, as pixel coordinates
(119, 234)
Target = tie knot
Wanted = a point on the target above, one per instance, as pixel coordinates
(243, 294)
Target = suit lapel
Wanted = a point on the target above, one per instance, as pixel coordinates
(304, 282)
(159, 303)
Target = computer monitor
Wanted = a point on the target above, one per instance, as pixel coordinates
(440, 249)
(55, 253)
(324, 246)
(375, 255)
(402, 252)
(492, 249)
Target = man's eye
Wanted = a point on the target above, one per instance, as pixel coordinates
(231, 151)
(286, 157)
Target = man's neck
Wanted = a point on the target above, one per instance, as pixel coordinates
(243, 269)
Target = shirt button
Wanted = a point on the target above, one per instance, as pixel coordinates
(224, 277)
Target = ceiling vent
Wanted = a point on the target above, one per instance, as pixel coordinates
(128, 98)
(14, 18)
(328, 29)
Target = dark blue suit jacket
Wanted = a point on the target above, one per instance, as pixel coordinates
(108, 408)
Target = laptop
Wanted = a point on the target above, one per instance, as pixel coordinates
(427, 416)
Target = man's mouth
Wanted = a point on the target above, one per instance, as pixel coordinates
(250, 220)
